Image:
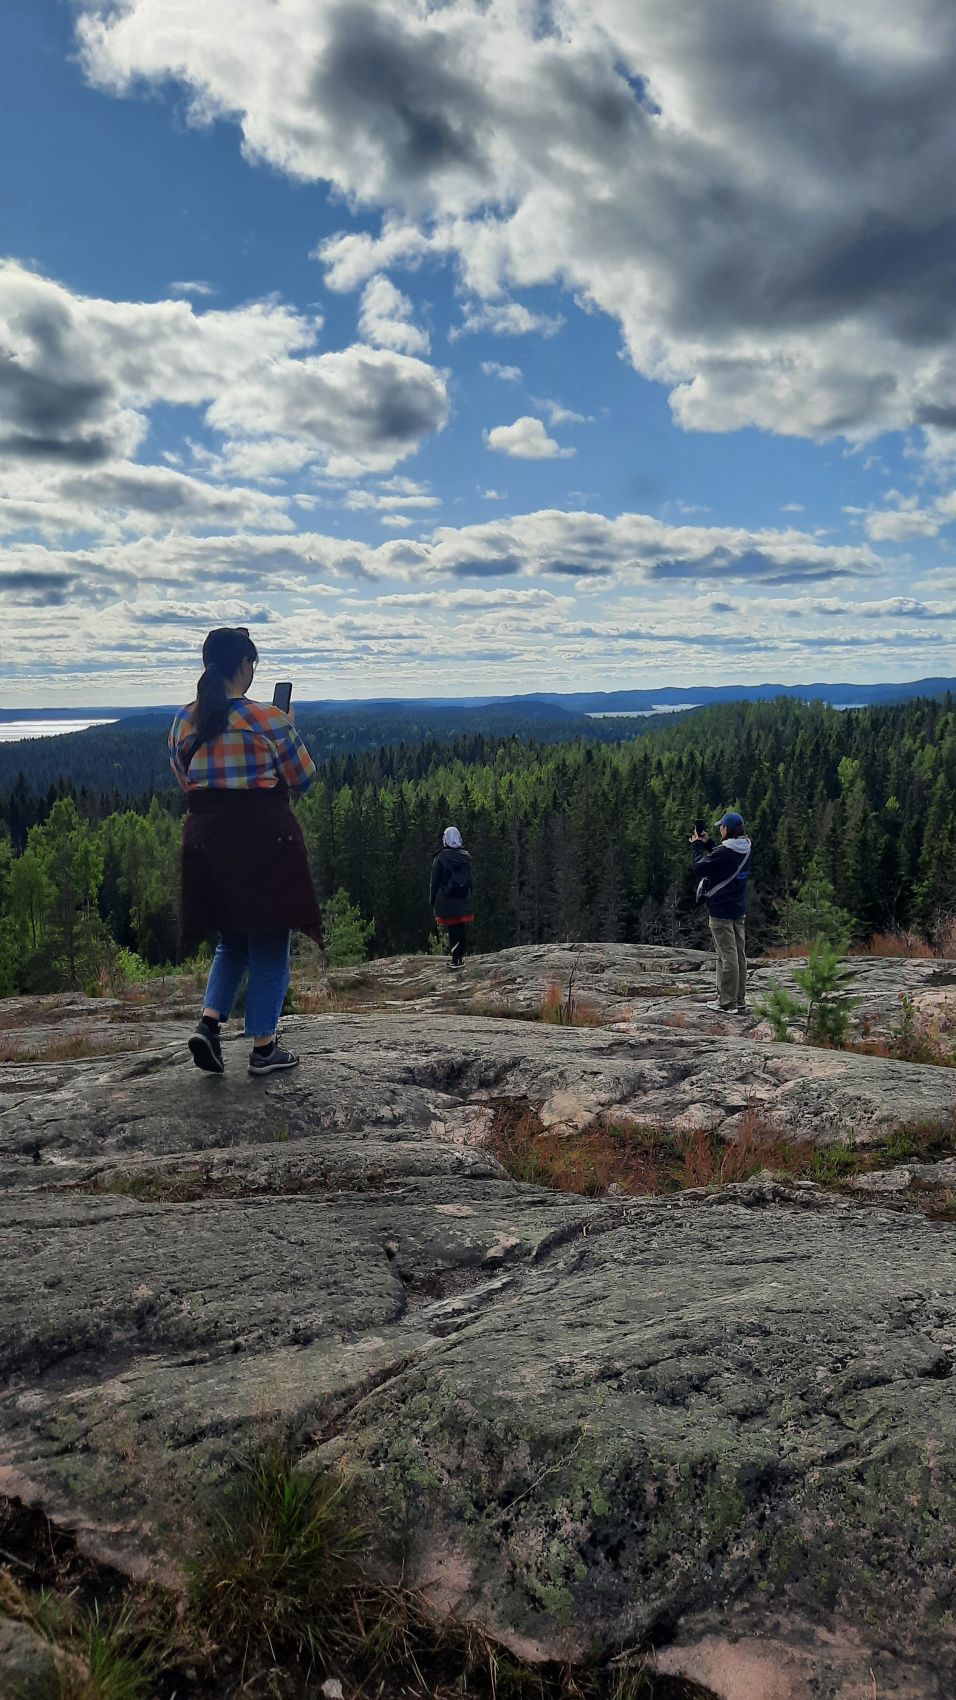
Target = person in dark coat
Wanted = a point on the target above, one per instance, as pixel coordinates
(724, 869)
(452, 891)
(244, 871)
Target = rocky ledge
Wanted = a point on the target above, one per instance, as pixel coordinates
(720, 1423)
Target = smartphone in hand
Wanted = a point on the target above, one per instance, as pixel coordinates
(282, 695)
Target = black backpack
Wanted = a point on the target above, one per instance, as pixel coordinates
(456, 881)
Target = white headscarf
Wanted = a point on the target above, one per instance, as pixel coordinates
(451, 838)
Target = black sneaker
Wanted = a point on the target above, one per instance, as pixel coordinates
(262, 1061)
(207, 1049)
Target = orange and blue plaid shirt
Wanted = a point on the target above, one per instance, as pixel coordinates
(259, 747)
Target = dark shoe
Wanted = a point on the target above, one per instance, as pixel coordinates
(207, 1049)
(262, 1061)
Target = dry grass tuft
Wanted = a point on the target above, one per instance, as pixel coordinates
(561, 1008)
(656, 1159)
(79, 1047)
(901, 943)
(638, 1158)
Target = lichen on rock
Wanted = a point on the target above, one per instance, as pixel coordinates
(714, 1419)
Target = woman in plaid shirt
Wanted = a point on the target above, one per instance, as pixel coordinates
(245, 871)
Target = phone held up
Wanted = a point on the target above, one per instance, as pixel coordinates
(700, 827)
(282, 695)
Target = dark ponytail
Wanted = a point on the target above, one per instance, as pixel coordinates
(223, 653)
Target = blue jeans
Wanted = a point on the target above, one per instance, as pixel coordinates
(265, 957)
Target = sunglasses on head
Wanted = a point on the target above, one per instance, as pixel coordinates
(243, 631)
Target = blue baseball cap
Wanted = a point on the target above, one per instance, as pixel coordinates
(732, 821)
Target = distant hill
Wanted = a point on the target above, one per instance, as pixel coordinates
(674, 696)
(636, 700)
(129, 757)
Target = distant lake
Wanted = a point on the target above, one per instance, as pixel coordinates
(11, 731)
(639, 713)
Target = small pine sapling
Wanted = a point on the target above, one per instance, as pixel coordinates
(781, 1011)
(826, 980)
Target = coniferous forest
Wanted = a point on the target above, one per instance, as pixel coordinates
(574, 840)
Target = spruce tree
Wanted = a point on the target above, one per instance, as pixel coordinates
(347, 931)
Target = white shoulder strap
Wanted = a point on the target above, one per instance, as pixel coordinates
(713, 890)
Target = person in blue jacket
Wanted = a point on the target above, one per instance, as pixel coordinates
(723, 870)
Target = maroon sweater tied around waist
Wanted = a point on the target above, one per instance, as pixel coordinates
(244, 867)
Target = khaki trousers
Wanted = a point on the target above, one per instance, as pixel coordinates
(728, 937)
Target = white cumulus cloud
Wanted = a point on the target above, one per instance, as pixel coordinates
(507, 374)
(758, 192)
(385, 318)
(505, 318)
(557, 414)
(393, 493)
(121, 617)
(906, 519)
(80, 375)
(526, 439)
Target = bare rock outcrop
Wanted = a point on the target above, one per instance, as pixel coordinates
(722, 1424)
(435, 1077)
(636, 985)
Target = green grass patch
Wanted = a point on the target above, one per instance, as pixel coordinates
(829, 1165)
(107, 1652)
(277, 1599)
(281, 1563)
(118, 1665)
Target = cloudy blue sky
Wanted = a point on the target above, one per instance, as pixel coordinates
(476, 345)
